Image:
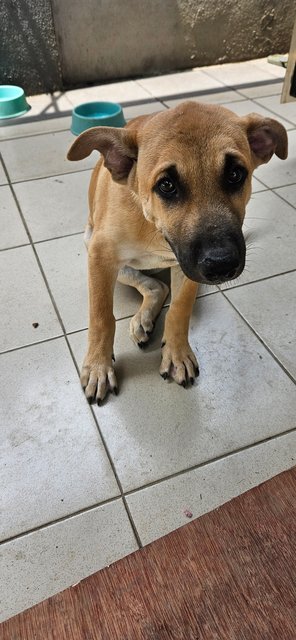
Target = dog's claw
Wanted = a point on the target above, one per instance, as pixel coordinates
(99, 402)
(165, 375)
(184, 384)
(115, 391)
(191, 380)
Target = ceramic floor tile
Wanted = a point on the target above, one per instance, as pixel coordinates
(288, 193)
(238, 73)
(279, 173)
(36, 566)
(55, 207)
(3, 179)
(272, 69)
(154, 428)
(42, 156)
(40, 118)
(53, 462)
(127, 91)
(143, 109)
(48, 104)
(65, 264)
(175, 83)
(244, 107)
(286, 110)
(269, 229)
(35, 126)
(12, 229)
(262, 90)
(269, 307)
(215, 97)
(24, 301)
(161, 508)
(257, 186)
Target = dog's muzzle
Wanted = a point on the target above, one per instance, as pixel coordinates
(214, 260)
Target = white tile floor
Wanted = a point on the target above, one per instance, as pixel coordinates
(81, 486)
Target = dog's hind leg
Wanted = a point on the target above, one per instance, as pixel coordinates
(154, 294)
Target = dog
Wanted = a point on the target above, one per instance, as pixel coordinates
(170, 190)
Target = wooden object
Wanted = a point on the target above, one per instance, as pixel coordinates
(229, 575)
(291, 67)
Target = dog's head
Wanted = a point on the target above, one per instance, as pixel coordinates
(191, 168)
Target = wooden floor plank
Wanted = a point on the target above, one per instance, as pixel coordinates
(229, 575)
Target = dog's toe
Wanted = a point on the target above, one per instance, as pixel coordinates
(97, 381)
(179, 363)
(141, 329)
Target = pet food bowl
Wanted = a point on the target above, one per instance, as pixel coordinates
(96, 114)
(13, 101)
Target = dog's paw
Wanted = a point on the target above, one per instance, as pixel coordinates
(142, 324)
(141, 327)
(97, 380)
(179, 363)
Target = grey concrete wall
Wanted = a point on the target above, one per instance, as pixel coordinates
(28, 50)
(48, 44)
(107, 39)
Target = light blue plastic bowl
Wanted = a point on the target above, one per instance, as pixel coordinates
(13, 101)
(96, 114)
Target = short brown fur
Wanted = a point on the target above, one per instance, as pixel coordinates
(133, 227)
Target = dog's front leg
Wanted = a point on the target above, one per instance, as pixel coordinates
(178, 359)
(97, 375)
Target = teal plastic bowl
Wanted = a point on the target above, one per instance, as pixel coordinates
(13, 101)
(96, 114)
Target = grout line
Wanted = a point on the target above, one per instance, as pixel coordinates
(33, 247)
(211, 461)
(54, 175)
(27, 244)
(245, 85)
(266, 95)
(32, 344)
(245, 284)
(126, 494)
(275, 191)
(46, 525)
(34, 134)
(82, 329)
(66, 235)
(17, 246)
(275, 113)
(133, 526)
(73, 358)
(261, 340)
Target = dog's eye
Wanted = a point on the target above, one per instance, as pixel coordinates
(166, 187)
(236, 175)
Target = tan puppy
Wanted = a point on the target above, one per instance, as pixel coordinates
(169, 191)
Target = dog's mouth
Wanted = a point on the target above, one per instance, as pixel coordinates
(212, 261)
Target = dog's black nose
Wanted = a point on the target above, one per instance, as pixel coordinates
(218, 265)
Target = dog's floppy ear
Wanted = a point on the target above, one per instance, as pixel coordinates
(266, 137)
(118, 147)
